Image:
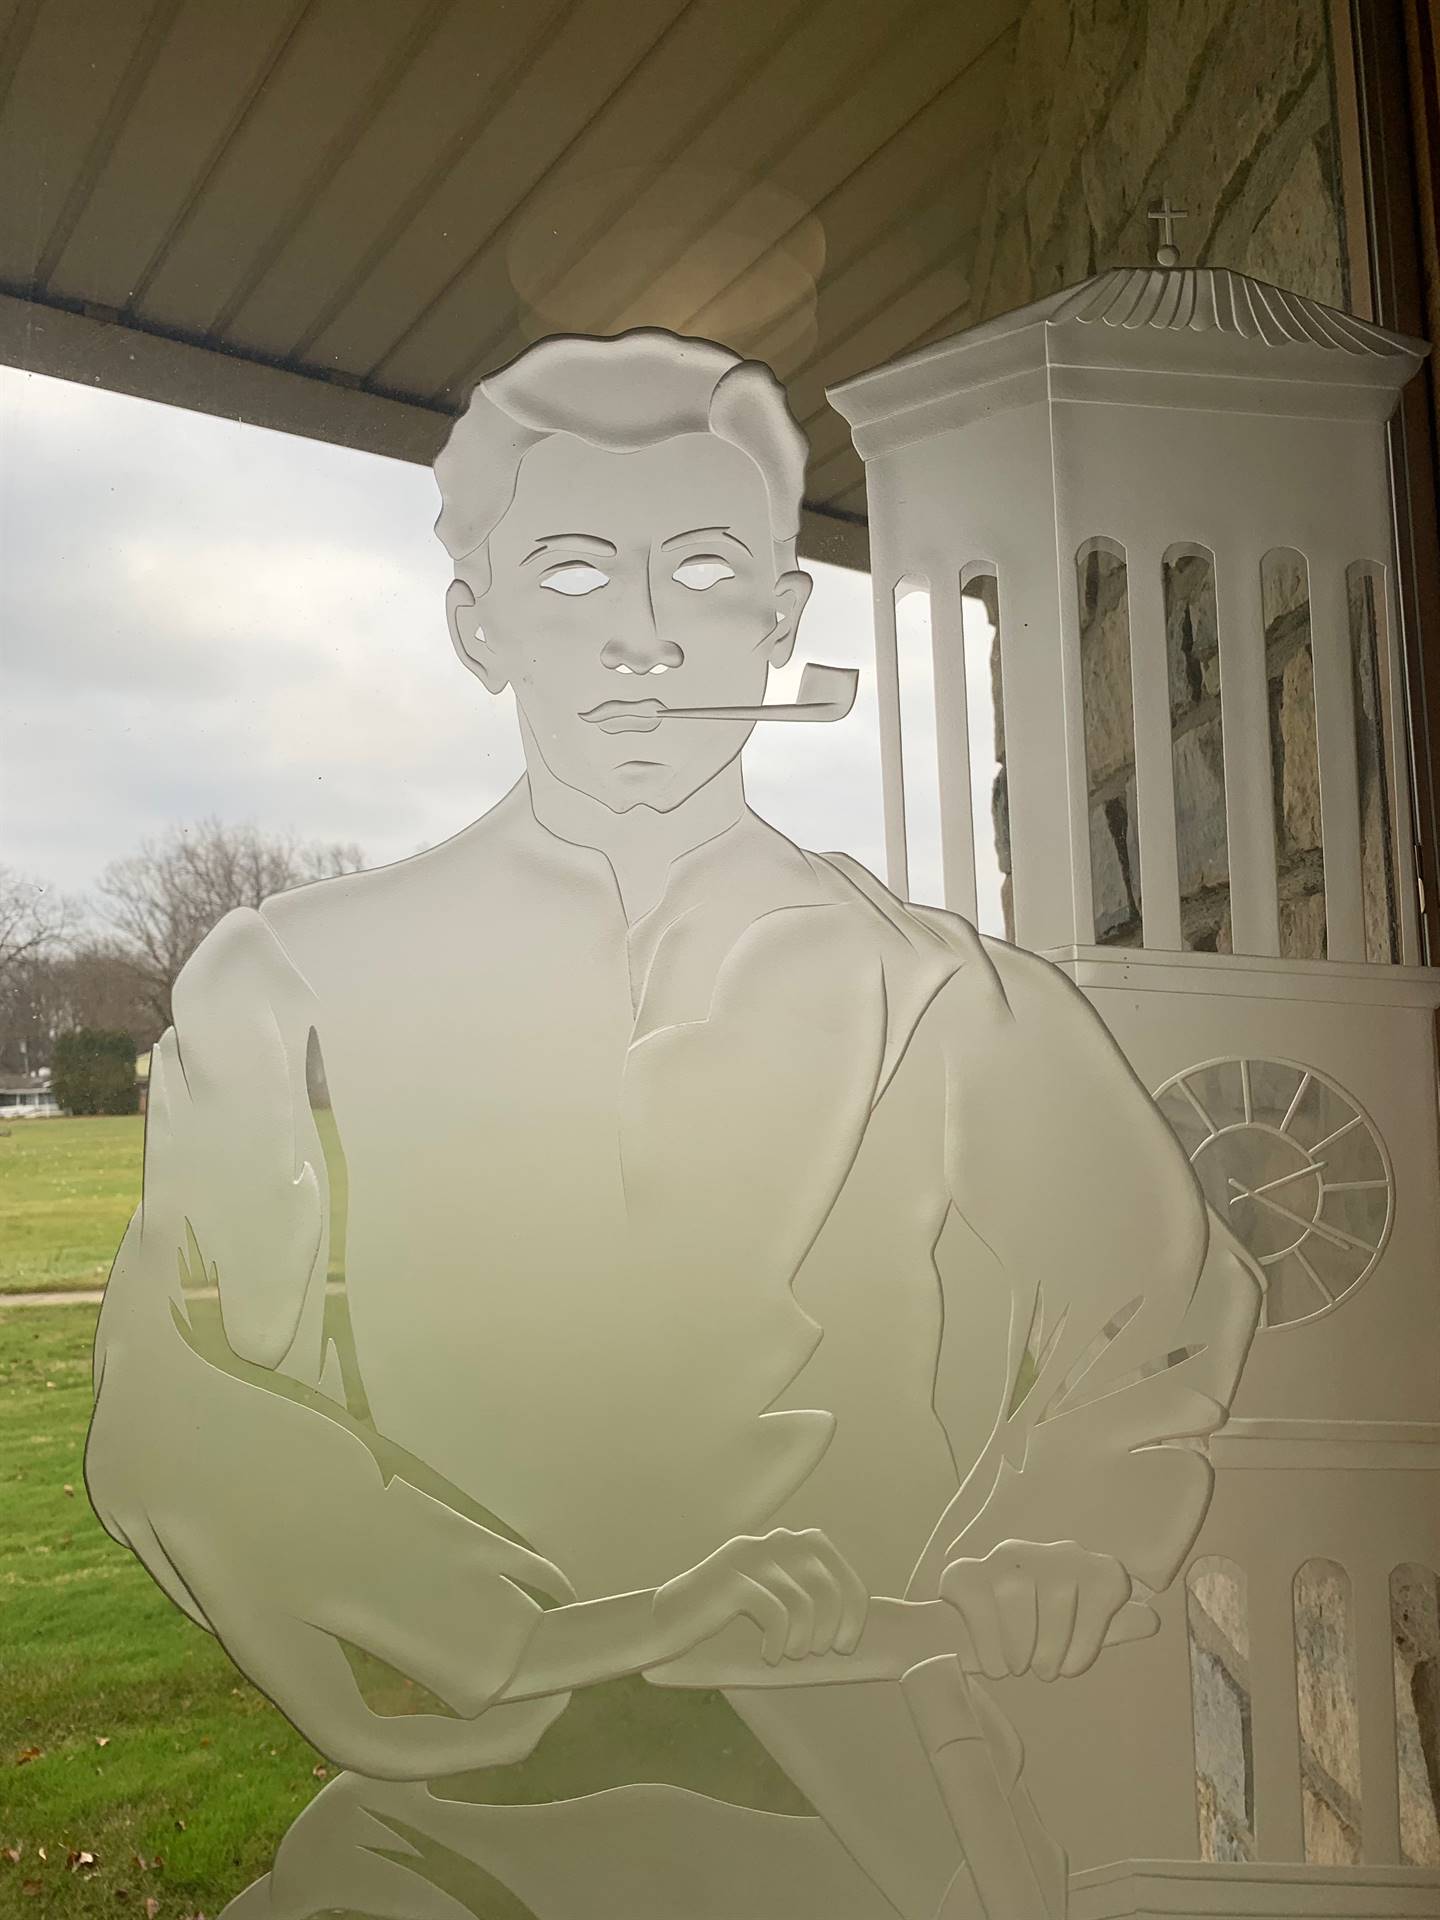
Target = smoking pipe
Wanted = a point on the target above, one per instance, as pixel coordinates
(826, 693)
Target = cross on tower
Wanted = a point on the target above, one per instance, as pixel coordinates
(1167, 254)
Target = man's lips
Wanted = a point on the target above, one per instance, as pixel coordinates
(626, 716)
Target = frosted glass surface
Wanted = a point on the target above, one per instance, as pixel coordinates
(626, 1419)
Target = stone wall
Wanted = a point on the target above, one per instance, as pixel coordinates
(1330, 1779)
(1197, 734)
(1227, 107)
(1224, 105)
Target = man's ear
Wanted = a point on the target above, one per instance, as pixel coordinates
(469, 638)
(792, 590)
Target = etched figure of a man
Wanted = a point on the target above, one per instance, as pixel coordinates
(763, 1306)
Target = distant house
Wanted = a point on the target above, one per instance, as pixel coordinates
(24, 1096)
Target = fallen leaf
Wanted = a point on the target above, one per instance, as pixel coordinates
(79, 1858)
(204, 1739)
(30, 1887)
(12, 1854)
(102, 1739)
(152, 1907)
(180, 1826)
(26, 1754)
(42, 1853)
(69, 1491)
(321, 1773)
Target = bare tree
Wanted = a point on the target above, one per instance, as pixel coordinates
(95, 986)
(87, 984)
(34, 920)
(36, 928)
(162, 901)
(28, 1012)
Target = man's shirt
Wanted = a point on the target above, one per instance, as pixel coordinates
(790, 1205)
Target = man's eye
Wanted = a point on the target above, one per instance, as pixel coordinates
(702, 570)
(574, 576)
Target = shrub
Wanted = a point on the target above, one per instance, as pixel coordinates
(93, 1071)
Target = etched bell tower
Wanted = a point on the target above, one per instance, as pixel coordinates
(1206, 826)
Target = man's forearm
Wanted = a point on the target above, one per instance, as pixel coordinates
(270, 1512)
(585, 1643)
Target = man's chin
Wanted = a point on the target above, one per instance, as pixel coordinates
(640, 779)
(643, 783)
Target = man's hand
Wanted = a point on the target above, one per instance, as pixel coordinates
(1041, 1609)
(796, 1587)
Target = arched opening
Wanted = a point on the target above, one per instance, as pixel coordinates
(1294, 753)
(985, 728)
(919, 742)
(1108, 707)
(1197, 747)
(1218, 1627)
(1415, 1632)
(1327, 1693)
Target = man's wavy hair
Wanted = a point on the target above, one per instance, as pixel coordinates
(625, 392)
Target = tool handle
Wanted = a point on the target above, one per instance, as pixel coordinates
(898, 1635)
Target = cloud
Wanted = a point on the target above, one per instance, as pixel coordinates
(201, 617)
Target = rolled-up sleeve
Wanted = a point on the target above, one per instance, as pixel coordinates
(274, 1517)
(1132, 1306)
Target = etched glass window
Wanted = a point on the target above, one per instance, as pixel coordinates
(601, 1299)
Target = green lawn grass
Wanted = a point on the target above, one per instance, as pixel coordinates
(142, 1740)
(67, 1189)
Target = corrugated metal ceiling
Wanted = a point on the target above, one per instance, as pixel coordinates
(393, 196)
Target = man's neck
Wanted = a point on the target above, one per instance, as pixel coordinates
(643, 844)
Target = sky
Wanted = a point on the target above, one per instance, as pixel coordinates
(920, 753)
(200, 618)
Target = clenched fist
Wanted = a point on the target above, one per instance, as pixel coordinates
(1031, 1608)
(796, 1587)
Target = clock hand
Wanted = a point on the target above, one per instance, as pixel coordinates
(1268, 1186)
(1335, 1235)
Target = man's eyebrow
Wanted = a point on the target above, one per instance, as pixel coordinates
(696, 533)
(587, 542)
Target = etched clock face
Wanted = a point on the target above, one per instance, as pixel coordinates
(1295, 1167)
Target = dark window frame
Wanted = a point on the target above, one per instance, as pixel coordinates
(1388, 112)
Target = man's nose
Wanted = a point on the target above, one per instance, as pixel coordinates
(638, 646)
